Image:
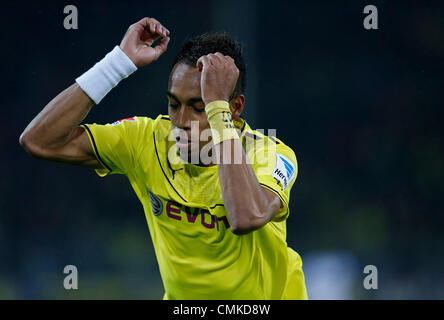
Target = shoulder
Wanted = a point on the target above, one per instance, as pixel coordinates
(257, 143)
(269, 155)
(142, 126)
(162, 123)
(137, 132)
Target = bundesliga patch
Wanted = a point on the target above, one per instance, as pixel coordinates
(156, 203)
(284, 171)
(120, 121)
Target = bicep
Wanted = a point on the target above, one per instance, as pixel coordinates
(78, 150)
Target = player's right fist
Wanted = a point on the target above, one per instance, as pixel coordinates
(138, 40)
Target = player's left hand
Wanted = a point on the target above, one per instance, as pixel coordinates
(219, 77)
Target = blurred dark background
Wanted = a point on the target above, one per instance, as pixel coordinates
(362, 109)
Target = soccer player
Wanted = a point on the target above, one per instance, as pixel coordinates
(215, 192)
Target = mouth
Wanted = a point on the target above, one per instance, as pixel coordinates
(182, 143)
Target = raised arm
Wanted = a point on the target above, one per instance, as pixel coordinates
(54, 134)
(248, 204)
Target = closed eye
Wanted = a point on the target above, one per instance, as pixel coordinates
(173, 105)
(198, 110)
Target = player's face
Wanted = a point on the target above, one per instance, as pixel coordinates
(187, 110)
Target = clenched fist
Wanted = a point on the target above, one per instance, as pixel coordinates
(219, 77)
(138, 40)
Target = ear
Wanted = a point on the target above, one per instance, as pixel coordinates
(237, 105)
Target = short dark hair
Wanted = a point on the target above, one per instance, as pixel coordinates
(214, 42)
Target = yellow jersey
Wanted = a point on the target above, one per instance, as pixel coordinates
(198, 256)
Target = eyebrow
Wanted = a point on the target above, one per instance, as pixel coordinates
(190, 101)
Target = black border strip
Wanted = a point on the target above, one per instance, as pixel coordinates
(97, 150)
(245, 123)
(278, 194)
(274, 139)
(252, 136)
(216, 205)
(158, 159)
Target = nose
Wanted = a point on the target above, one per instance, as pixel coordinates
(184, 118)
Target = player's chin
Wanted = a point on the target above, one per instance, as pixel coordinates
(195, 155)
(189, 154)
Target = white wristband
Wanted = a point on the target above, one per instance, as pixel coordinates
(106, 74)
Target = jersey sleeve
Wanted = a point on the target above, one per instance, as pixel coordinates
(118, 145)
(276, 169)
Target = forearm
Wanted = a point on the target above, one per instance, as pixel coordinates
(248, 205)
(54, 134)
(246, 202)
(56, 123)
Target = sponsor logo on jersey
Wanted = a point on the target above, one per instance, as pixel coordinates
(183, 213)
(191, 215)
(120, 121)
(156, 203)
(284, 171)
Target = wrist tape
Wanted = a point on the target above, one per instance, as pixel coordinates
(106, 74)
(219, 117)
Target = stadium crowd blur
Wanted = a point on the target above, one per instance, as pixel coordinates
(362, 109)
